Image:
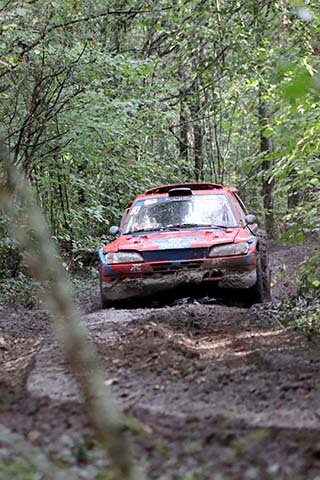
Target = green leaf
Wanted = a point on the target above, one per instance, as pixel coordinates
(21, 11)
(267, 132)
(297, 3)
(298, 87)
(283, 67)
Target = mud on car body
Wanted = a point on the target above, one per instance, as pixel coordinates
(185, 234)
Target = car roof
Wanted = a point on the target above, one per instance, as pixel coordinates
(163, 190)
(191, 186)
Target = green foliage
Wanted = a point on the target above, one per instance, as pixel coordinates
(310, 275)
(10, 258)
(18, 291)
(301, 312)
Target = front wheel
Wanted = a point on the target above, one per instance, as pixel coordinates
(261, 291)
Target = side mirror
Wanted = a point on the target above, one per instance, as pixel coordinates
(250, 219)
(114, 230)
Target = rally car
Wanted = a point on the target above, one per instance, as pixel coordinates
(181, 235)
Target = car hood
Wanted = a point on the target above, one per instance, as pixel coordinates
(197, 238)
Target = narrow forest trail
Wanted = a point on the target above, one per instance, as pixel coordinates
(219, 391)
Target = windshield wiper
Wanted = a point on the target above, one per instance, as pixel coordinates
(142, 230)
(179, 226)
(222, 226)
(182, 225)
(197, 225)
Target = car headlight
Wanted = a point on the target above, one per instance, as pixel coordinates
(229, 249)
(124, 257)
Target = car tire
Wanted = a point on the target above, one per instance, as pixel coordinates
(261, 291)
(105, 303)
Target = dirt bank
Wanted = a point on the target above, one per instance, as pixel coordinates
(216, 392)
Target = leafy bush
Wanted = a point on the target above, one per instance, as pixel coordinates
(309, 274)
(302, 311)
(10, 257)
(19, 290)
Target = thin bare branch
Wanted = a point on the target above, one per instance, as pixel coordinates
(106, 14)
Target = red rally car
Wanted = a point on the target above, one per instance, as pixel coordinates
(185, 234)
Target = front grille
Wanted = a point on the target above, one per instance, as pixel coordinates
(213, 274)
(172, 267)
(179, 254)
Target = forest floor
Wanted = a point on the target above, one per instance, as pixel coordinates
(211, 391)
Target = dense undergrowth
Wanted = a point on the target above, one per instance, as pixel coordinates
(302, 310)
(23, 292)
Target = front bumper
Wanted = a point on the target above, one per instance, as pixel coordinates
(126, 281)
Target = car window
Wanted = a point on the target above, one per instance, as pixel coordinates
(166, 212)
(239, 208)
(240, 204)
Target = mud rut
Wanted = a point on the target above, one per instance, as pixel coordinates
(219, 391)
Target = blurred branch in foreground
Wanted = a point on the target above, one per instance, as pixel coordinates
(30, 229)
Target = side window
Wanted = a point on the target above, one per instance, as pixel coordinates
(240, 206)
(124, 216)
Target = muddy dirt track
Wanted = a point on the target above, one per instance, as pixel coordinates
(219, 391)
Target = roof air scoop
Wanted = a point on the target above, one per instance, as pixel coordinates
(180, 192)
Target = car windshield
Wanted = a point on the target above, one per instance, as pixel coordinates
(167, 213)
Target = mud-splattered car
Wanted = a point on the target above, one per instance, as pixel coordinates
(185, 234)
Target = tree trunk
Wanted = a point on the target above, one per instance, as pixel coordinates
(197, 133)
(183, 137)
(267, 182)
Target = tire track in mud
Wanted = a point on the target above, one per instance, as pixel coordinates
(207, 379)
(216, 380)
(214, 360)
